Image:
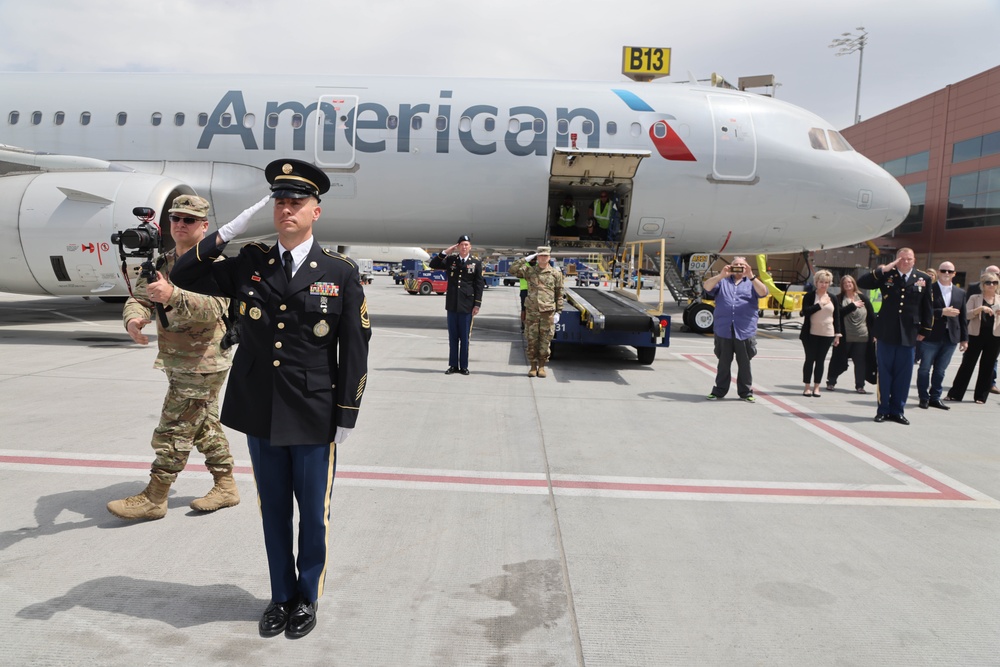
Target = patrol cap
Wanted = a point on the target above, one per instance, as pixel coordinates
(543, 250)
(463, 237)
(295, 179)
(190, 204)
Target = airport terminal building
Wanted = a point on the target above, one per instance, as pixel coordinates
(944, 148)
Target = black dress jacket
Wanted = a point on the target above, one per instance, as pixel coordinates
(465, 282)
(906, 306)
(949, 329)
(302, 363)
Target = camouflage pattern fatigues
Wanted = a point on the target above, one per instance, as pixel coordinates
(196, 368)
(545, 299)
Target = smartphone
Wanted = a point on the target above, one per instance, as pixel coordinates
(736, 269)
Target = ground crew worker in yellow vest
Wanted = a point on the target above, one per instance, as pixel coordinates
(566, 222)
(601, 212)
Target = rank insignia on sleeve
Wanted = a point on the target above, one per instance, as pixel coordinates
(325, 289)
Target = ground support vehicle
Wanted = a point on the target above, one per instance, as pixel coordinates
(595, 316)
(426, 282)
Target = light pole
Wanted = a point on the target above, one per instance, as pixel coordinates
(848, 43)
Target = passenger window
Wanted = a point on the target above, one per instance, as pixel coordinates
(59, 118)
(202, 119)
(249, 120)
(441, 123)
(635, 129)
(490, 124)
(13, 117)
(659, 129)
(588, 127)
(156, 119)
(297, 120)
(838, 142)
(612, 128)
(513, 126)
(464, 124)
(538, 126)
(179, 119)
(416, 122)
(226, 120)
(817, 138)
(121, 118)
(85, 118)
(392, 122)
(562, 127)
(272, 120)
(36, 117)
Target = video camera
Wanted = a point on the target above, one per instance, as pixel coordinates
(143, 240)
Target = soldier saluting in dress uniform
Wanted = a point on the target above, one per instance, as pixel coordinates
(906, 316)
(462, 299)
(297, 379)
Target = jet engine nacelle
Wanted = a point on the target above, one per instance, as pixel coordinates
(56, 227)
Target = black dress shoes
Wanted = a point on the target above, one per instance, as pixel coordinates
(899, 419)
(923, 404)
(464, 371)
(302, 620)
(275, 618)
(879, 418)
(935, 403)
(451, 369)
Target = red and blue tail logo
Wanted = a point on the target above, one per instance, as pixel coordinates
(666, 140)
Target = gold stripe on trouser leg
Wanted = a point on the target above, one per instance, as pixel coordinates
(326, 517)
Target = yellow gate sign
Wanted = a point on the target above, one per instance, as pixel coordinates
(644, 63)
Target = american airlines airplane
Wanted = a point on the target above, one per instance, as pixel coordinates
(419, 161)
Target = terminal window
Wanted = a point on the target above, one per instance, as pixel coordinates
(974, 200)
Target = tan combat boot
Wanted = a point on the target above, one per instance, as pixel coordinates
(150, 504)
(223, 494)
(534, 370)
(541, 370)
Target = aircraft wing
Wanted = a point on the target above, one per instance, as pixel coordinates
(16, 159)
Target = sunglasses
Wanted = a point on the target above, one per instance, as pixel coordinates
(946, 270)
(186, 221)
(991, 282)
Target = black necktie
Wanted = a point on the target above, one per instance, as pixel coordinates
(286, 257)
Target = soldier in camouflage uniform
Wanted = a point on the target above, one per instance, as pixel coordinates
(196, 367)
(542, 306)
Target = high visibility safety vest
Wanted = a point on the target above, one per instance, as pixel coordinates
(602, 215)
(875, 296)
(567, 216)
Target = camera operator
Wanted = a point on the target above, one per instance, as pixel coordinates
(196, 367)
(736, 292)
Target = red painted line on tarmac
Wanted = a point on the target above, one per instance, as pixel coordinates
(943, 490)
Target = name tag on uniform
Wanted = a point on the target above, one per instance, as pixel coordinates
(325, 289)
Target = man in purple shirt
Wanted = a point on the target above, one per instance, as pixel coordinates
(736, 292)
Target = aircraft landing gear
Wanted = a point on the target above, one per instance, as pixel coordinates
(699, 317)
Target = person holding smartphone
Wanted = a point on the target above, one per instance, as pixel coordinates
(737, 293)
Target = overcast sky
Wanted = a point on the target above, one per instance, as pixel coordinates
(915, 46)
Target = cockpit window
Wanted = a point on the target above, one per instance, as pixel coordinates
(817, 138)
(838, 142)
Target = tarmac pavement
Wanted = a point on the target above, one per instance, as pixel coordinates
(607, 515)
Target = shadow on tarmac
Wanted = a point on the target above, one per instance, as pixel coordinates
(91, 503)
(178, 605)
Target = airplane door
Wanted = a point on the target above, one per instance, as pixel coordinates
(335, 131)
(734, 139)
